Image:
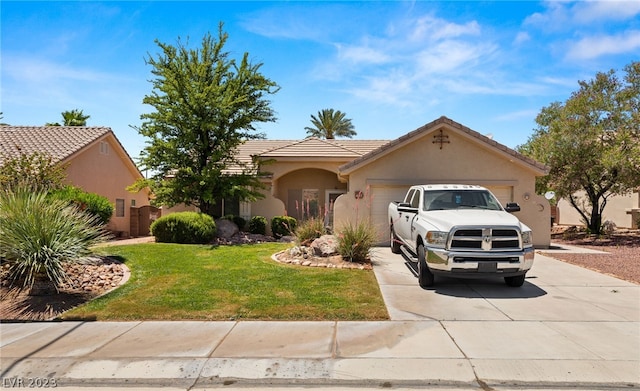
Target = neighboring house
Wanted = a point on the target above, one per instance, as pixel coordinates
(350, 180)
(622, 210)
(94, 158)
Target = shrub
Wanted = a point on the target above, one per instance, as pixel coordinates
(355, 241)
(283, 225)
(258, 225)
(310, 229)
(95, 204)
(39, 235)
(239, 221)
(184, 228)
(36, 171)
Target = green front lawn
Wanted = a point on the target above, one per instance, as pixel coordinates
(180, 282)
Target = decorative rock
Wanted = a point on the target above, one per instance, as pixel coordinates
(325, 246)
(226, 228)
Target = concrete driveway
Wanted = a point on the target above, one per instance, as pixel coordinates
(566, 328)
(553, 291)
(565, 325)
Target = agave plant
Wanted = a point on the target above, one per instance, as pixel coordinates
(39, 235)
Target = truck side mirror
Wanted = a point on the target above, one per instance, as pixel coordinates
(512, 207)
(406, 207)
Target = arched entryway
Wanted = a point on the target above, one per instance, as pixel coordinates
(309, 192)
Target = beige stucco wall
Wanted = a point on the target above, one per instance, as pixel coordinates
(268, 207)
(107, 175)
(463, 160)
(618, 210)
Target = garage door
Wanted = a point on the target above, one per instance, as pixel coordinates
(504, 194)
(381, 196)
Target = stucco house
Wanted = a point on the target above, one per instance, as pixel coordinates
(349, 180)
(622, 210)
(94, 158)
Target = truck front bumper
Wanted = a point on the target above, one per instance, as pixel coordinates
(473, 263)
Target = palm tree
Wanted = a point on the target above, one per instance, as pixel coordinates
(74, 117)
(330, 124)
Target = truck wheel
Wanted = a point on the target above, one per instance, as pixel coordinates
(395, 242)
(425, 277)
(515, 281)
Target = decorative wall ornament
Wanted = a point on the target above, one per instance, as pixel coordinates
(441, 139)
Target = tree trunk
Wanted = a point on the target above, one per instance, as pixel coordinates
(595, 221)
(207, 208)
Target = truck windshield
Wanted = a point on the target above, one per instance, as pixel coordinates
(459, 199)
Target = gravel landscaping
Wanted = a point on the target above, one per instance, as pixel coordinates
(622, 258)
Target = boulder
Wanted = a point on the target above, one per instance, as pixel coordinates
(325, 246)
(226, 228)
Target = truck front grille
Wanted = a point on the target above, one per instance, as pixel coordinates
(485, 239)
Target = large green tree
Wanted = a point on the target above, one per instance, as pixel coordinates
(206, 104)
(330, 124)
(591, 143)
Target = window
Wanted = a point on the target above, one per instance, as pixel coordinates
(463, 199)
(415, 201)
(226, 206)
(119, 207)
(409, 196)
(133, 203)
(104, 148)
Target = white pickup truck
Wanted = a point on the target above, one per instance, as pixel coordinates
(460, 231)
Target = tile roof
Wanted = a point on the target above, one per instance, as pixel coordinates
(60, 142)
(382, 150)
(310, 147)
(313, 148)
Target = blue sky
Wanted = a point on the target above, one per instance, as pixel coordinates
(391, 66)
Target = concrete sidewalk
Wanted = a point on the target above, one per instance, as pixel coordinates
(567, 327)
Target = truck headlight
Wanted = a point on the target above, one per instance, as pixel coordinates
(437, 238)
(527, 239)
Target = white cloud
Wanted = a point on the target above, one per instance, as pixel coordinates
(36, 71)
(584, 30)
(448, 56)
(294, 22)
(517, 115)
(585, 12)
(597, 46)
(394, 89)
(403, 63)
(361, 54)
(521, 38)
(566, 15)
(556, 16)
(564, 83)
(430, 28)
